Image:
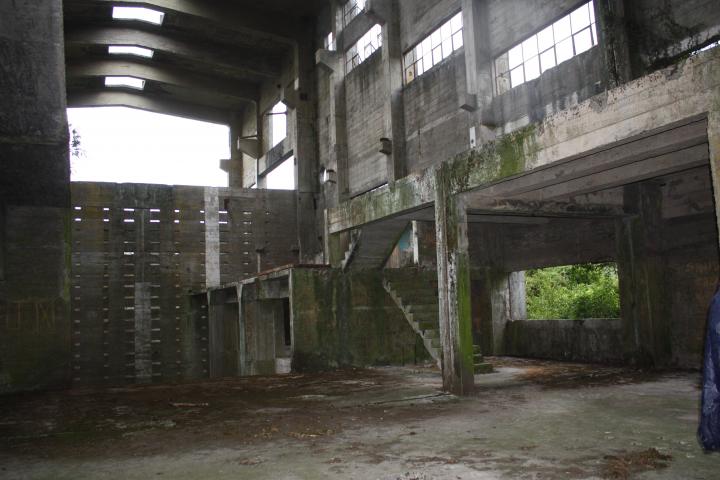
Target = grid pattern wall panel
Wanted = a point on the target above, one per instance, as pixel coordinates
(140, 258)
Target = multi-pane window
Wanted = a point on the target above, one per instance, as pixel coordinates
(572, 35)
(352, 9)
(435, 48)
(364, 47)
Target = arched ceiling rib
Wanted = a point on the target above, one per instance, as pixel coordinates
(210, 56)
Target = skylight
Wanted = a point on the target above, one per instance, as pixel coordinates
(138, 13)
(129, 82)
(130, 50)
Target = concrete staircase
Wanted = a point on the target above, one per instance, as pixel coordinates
(371, 245)
(415, 292)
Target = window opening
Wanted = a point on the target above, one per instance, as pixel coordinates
(363, 48)
(282, 177)
(278, 123)
(142, 14)
(435, 48)
(572, 35)
(573, 292)
(130, 50)
(329, 42)
(352, 9)
(126, 82)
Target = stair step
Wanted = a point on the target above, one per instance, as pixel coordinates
(421, 308)
(435, 342)
(477, 349)
(431, 333)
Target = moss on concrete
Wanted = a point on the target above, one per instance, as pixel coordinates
(343, 320)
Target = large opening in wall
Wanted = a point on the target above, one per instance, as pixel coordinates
(282, 177)
(278, 123)
(573, 292)
(127, 145)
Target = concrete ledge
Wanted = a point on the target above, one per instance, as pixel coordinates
(595, 340)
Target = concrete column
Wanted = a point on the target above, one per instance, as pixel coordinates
(714, 148)
(212, 237)
(35, 322)
(235, 170)
(478, 67)
(646, 322)
(612, 31)
(305, 147)
(453, 268)
(393, 110)
(497, 298)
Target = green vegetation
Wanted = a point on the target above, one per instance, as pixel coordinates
(573, 292)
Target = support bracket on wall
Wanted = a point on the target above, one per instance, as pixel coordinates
(468, 102)
(249, 146)
(327, 59)
(379, 10)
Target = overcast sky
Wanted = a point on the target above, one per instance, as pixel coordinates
(129, 145)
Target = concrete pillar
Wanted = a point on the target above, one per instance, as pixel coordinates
(35, 323)
(393, 110)
(612, 32)
(498, 298)
(305, 147)
(453, 269)
(235, 170)
(646, 321)
(714, 150)
(478, 67)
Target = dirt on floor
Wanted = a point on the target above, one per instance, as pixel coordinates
(530, 419)
(151, 419)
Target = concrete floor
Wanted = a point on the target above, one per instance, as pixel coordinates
(530, 420)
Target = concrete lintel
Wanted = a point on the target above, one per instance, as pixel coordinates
(357, 27)
(512, 207)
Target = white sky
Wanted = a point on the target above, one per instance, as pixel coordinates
(129, 145)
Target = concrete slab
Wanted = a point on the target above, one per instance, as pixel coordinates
(530, 420)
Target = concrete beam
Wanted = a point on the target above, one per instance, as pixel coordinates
(162, 74)
(512, 207)
(228, 15)
(244, 62)
(150, 103)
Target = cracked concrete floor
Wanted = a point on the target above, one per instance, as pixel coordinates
(529, 420)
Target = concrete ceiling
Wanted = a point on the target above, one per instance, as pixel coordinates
(210, 56)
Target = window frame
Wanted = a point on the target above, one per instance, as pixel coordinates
(414, 59)
(504, 68)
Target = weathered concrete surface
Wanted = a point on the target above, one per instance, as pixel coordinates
(684, 91)
(529, 420)
(593, 340)
(34, 199)
(348, 320)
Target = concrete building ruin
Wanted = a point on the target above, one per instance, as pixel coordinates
(493, 136)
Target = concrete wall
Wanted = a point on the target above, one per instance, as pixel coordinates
(365, 94)
(435, 128)
(34, 198)
(418, 18)
(591, 340)
(348, 320)
(139, 251)
(659, 32)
